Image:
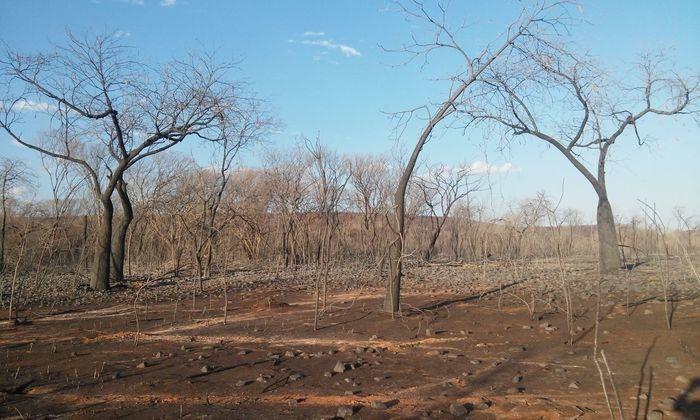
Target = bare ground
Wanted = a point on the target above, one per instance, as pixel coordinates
(461, 341)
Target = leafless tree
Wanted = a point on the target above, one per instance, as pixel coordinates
(14, 176)
(531, 25)
(369, 194)
(286, 173)
(247, 124)
(440, 188)
(107, 112)
(685, 224)
(330, 174)
(565, 100)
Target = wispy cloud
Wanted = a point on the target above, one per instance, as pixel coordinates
(29, 105)
(481, 167)
(312, 33)
(168, 3)
(122, 34)
(344, 49)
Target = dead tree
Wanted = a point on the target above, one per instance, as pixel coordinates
(527, 29)
(330, 174)
(369, 194)
(247, 124)
(685, 225)
(551, 87)
(14, 175)
(440, 189)
(108, 112)
(287, 177)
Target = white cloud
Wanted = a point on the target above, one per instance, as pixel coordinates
(19, 190)
(29, 105)
(122, 34)
(312, 33)
(481, 167)
(346, 50)
(167, 3)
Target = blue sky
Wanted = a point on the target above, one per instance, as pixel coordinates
(319, 66)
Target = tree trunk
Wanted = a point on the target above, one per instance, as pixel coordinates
(392, 299)
(609, 254)
(103, 254)
(3, 228)
(433, 240)
(118, 253)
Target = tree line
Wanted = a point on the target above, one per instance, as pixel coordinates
(110, 120)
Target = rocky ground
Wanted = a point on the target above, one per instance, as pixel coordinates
(471, 341)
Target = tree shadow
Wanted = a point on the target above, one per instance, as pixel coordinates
(689, 409)
(443, 303)
(631, 266)
(641, 382)
(347, 321)
(592, 329)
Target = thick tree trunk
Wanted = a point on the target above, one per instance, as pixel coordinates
(608, 251)
(118, 252)
(392, 299)
(103, 254)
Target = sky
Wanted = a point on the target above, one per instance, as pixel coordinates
(321, 69)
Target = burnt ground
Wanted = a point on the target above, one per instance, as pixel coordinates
(461, 342)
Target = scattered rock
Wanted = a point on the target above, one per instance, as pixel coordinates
(655, 415)
(296, 377)
(458, 410)
(340, 367)
(327, 374)
(517, 379)
(352, 392)
(483, 405)
(379, 405)
(667, 404)
(648, 312)
(345, 411)
(116, 375)
(243, 352)
(142, 365)
(206, 369)
(682, 379)
(242, 383)
(574, 385)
